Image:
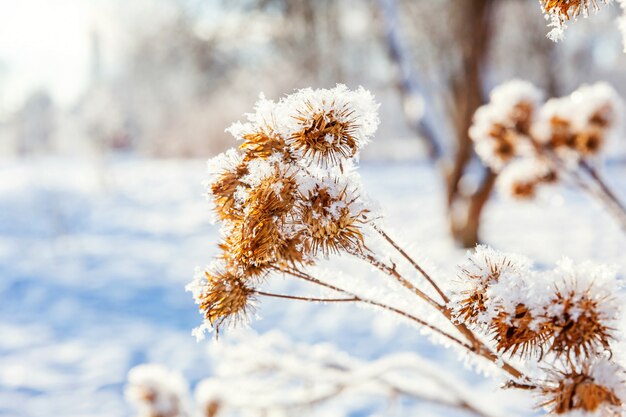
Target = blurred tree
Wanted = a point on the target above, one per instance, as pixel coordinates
(460, 53)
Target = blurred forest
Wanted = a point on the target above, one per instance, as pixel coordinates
(168, 85)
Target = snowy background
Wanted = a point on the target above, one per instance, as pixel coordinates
(94, 259)
(105, 126)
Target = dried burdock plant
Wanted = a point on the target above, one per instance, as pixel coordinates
(563, 139)
(291, 196)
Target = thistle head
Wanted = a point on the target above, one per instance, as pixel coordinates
(328, 126)
(501, 127)
(523, 178)
(582, 312)
(580, 124)
(560, 11)
(157, 392)
(517, 331)
(484, 268)
(225, 174)
(595, 387)
(333, 216)
(223, 296)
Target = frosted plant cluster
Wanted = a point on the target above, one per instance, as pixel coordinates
(290, 196)
(564, 319)
(533, 145)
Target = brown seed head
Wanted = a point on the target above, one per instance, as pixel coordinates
(330, 226)
(480, 275)
(568, 9)
(325, 137)
(212, 409)
(523, 190)
(225, 299)
(261, 144)
(521, 117)
(223, 191)
(569, 391)
(257, 240)
(603, 117)
(562, 133)
(579, 330)
(505, 141)
(517, 333)
(590, 141)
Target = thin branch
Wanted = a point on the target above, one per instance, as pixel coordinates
(311, 299)
(413, 263)
(306, 277)
(475, 346)
(608, 197)
(392, 272)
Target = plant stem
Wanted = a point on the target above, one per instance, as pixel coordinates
(311, 299)
(413, 263)
(391, 271)
(607, 196)
(356, 298)
(475, 346)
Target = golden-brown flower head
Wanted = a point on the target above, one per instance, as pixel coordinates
(332, 217)
(581, 311)
(568, 9)
(484, 268)
(501, 127)
(328, 126)
(325, 136)
(262, 144)
(262, 237)
(580, 328)
(523, 178)
(226, 172)
(223, 297)
(519, 332)
(595, 388)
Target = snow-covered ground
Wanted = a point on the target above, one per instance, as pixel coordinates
(94, 258)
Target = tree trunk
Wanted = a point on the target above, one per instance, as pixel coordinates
(474, 34)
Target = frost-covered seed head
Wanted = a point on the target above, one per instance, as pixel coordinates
(484, 268)
(596, 388)
(328, 125)
(226, 172)
(581, 122)
(560, 11)
(332, 219)
(260, 144)
(157, 391)
(501, 127)
(583, 311)
(518, 333)
(522, 177)
(224, 298)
